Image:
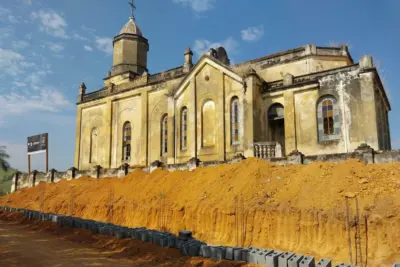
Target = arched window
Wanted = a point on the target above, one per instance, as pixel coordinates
(184, 128)
(94, 139)
(234, 121)
(126, 145)
(208, 123)
(328, 119)
(164, 135)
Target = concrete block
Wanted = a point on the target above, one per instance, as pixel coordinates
(245, 255)
(194, 249)
(284, 259)
(261, 256)
(205, 251)
(138, 235)
(230, 253)
(217, 253)
(164, 242)
(179, 242)
(324, 263)
(252, 256)
(272, 258)
(172, 241)
(145, 236)
(237, 254)
(307, 261)
(294, 261)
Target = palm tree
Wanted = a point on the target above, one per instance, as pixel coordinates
(4, 165)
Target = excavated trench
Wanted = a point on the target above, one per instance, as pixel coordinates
(299, 208)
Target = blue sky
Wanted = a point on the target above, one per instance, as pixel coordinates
(47, 48)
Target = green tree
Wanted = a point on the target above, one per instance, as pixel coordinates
(4, 165)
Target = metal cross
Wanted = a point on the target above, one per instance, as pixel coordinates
(133, 7)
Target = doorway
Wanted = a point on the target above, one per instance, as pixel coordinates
(276, 125)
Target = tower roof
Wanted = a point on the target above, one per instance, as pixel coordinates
(131, 28)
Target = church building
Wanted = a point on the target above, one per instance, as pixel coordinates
(311, 99)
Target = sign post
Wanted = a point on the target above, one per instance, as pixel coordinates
(38, 144)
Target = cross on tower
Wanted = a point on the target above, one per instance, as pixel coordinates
(133, 7)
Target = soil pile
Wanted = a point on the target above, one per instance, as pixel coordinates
(299, 208)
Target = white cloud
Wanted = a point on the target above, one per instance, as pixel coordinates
(197, 5)
(46, 99)
(80, 37)
(104, 44)
(52, 23)
(253, 33)
(202, 46)
(6, 15)
(88, 48)
(19, 84)
(28, 2)
(55, 47)
(20, 44)
(12, 63)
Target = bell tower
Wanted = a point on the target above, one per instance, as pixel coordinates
(130, 48)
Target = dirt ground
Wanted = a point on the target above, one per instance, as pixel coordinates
(26, 243)
(306, 209)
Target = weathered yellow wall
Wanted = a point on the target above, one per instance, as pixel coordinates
(233, 89)
(302, 67)
(94, 117)
(210, 90)
(158, 106)
(209, 136)
(126, 110)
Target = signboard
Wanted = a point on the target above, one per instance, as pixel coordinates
(37, 144)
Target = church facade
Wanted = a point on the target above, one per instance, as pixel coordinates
(312, 99)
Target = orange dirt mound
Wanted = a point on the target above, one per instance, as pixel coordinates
(300, 208)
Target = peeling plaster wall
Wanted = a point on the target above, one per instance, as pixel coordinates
(301, 67)
(126, 110)
(94, 117)
(359, 107)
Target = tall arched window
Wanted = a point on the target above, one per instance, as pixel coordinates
(126, 145)
(328, 119)
(208, 123)
(235, 120)
(164, 135)
(94, 139)
(184, 128)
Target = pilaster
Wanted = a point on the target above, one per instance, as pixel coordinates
(108, 142)
(368, 107)
(192, 120)
(144, 130)
(290, 122)
(78, 136)
(221, 121)
(171, 130)
(248, 118)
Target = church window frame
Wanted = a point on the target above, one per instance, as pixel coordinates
(184, 128)
(208, 124)
(328, 119)
(235, 108)
(164, 135)
(126, 141)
